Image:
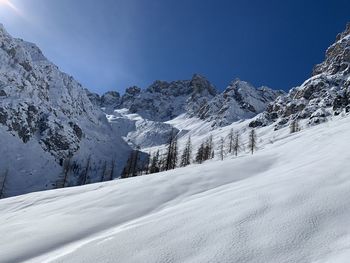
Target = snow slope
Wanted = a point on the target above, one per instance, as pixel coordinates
(287, 203)
(137, 131)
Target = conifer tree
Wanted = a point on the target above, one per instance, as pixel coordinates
(136, 168)
(148, 163)
(127, 168)
(187, 153)
(154, 168)
(3, 183)
(111, 176)
(231, 141)
(200, 153)
(208, 152)
(252, 141)
(132, 166)
(104, 171)
(236, 144)
(171, 156)
(222, 148)
(63, 180)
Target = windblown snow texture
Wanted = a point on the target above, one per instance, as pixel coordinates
(288, 203)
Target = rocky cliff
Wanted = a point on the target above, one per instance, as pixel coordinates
(49, 128)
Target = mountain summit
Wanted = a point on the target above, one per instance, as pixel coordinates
(163, 101)
(325, 94)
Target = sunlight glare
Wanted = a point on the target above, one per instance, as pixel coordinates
(10, 5)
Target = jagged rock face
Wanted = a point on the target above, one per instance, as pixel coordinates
(164, 101)
(34, 102)
(108, 101)
(326, 93)
(128, 98)
(41, 105)
(337, 56)
(94, 98)
(240, 100)
(111, 99)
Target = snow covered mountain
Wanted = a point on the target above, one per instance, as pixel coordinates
(326, 93)
(143, 115)
(49, 129)
(163, 101)
(286, 203)
(240, 100)
(55, 134)
(140, 132)
(53, 130)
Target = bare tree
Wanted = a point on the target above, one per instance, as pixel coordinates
(63, 178)
(236, 143)
(135, 168)
(2, 188)
(222, 148)
(174, 154)
(132, 165)
(104, 171)
(208, 152)
(66, 168)
(111, 176)
(148, 163)
(231, 141)
(252, 141)
(187, 153)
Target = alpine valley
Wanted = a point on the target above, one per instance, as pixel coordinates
(287, 202)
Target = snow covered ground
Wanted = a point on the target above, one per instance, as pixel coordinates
(287, 203)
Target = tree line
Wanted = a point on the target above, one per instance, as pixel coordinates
(171, 159)
(139, 163)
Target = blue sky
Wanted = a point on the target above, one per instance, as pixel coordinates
(113, 44)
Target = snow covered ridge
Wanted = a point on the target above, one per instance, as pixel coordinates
(240, 100)
(163, 101)
(287, 203)
(326, 93)
(51, 134)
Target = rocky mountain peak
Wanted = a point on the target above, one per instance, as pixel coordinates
(197, 97)
(345, 33)
(240, 100)
(326, 93)
(158, 86)
(337, 56)
(163, 100)
(199, 84)
(134, 90)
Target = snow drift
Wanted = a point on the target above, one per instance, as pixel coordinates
(287, 203)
